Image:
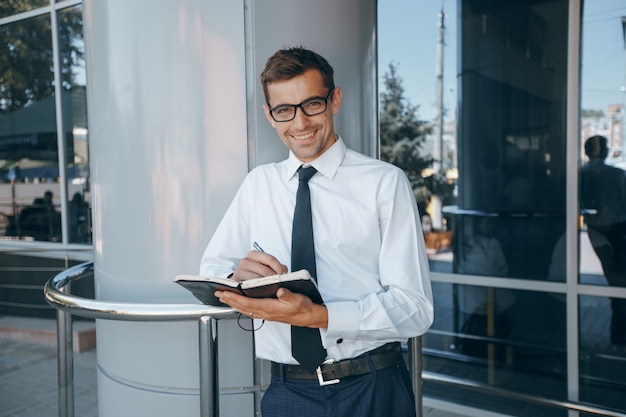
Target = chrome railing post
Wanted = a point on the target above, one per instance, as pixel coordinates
(65, 363)
(209, 385)
(415, 367)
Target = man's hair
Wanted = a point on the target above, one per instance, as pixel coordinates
(288, 63)
(596, 147)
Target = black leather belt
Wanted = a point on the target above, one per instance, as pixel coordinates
(331, 372)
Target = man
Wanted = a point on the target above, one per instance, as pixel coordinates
(603, 195)
(370, 259)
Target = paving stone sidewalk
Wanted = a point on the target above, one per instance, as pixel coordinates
(29, 380)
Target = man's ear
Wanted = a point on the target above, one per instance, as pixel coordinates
(266, 110)
(336, 100)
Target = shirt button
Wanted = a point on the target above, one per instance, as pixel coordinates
(339, 341)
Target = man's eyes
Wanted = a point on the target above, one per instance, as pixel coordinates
(314, 103)
(282, 110)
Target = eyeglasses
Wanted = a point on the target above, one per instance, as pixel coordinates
(310, 107)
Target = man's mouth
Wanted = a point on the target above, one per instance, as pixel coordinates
(303, 136)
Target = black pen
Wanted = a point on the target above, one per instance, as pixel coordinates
(257, 247)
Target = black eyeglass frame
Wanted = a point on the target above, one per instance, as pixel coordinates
(296, 106)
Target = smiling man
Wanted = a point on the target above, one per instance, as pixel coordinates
(361, 240)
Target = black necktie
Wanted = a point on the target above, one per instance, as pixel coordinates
(306, 342)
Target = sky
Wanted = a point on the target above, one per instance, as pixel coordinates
(409, 33)
(604, 54)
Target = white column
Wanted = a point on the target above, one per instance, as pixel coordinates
(168, 148)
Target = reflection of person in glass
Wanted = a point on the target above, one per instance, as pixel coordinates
(603, 197)
(483, 310)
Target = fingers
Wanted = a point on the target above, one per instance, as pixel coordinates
(268, 260)
(258, 264)
(288, 307)
(245, 305)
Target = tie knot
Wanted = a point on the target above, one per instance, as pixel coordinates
(305, 174)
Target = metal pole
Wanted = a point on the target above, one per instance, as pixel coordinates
(623, 90)
(415, 368)
(65, 362)
(440, 46)
(209, 379)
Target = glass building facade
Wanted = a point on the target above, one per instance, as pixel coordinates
(529, 260)
(44, 153)
(528, 275)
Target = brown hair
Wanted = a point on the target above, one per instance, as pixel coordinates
(288, 63)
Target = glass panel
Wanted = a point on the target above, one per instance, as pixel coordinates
(603, 203)
(10, 8)
(418, 121)
(28, 133)
(602, 362)
(507, 339)
(511, 139)
(72, 51)
(506, 216)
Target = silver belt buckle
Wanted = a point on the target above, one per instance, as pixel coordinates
(320, 376)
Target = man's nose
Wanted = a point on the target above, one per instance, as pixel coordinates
(300, 119)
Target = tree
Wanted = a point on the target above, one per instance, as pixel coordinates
(402, 135)
(26, 60)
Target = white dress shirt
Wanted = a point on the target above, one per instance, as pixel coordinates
(372, 268)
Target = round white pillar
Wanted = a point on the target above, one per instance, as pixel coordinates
(168, 149)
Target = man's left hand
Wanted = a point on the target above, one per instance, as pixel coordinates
(289, 307)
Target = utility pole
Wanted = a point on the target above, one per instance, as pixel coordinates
(623, 89)
(440, 92)
(436, 206)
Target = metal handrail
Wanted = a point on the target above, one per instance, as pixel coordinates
(56, 292)
(511, 395)
(112, 310)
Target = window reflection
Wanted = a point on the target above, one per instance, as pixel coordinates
(28, 133)
(603, 203)
(509, 218)
(9, 8)
(509, 339)
(602, 362)
(30, 179)
(603, 200)
(76, 132)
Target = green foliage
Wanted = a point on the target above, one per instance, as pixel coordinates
(26, 57)
(402, 135)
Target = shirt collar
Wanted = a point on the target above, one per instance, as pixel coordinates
(327, 163)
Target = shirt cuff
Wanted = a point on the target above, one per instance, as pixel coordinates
(344, 319)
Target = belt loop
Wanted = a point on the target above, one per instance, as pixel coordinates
(282, 373)
(370, 362)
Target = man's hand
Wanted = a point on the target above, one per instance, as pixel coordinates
(289, 307)
(258, 264)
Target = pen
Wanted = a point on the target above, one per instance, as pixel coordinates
(257, 247)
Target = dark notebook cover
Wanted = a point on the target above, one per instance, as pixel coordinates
(203, 288)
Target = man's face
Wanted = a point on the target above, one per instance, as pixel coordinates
(306, 136)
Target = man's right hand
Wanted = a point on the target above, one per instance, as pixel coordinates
(258, 264)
